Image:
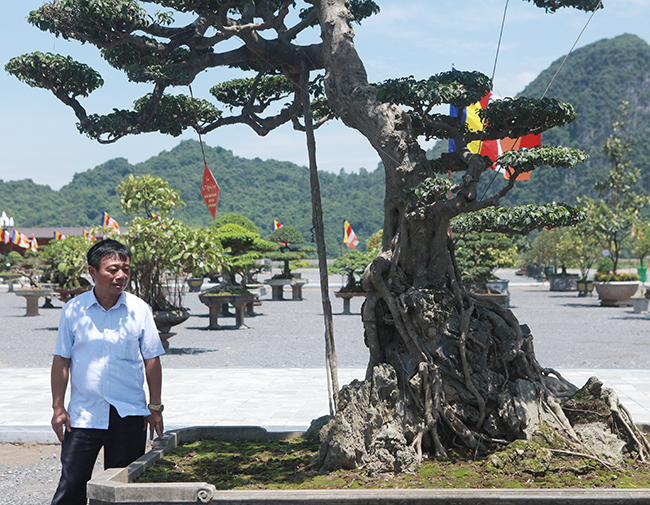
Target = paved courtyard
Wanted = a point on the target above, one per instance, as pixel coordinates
(271, 373)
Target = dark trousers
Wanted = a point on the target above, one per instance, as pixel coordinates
(124, 441)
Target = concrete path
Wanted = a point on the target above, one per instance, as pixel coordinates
(271, 374)
(278, 399)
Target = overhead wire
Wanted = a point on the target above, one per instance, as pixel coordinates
(554, 76)
(572, 47)
(494, 70)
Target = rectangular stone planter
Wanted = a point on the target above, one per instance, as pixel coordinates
(567, 282)
(116, 487)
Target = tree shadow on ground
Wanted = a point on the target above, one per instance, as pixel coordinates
(221, 328)
(187, 351)
(586, 305)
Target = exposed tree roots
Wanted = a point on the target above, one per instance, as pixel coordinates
(448, 372)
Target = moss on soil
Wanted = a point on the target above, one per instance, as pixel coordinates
(285, 465)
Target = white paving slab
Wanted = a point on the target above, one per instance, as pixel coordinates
(277, 399)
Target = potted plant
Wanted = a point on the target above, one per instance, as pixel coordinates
(579, 249)
(65, 265)
(291, 248)
(164, 251)
(244, 247)
(351, 265)
(614, 289)
(30, 266)
(9, 274)
(614, 218)
(478, 255)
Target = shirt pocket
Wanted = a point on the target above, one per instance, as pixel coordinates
(129, 348)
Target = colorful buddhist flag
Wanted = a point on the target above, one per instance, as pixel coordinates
(33, 243)
(492, 148)
(59, 236)
(109, 222)
(89, 236)
(6, 236)
(349, 237)
(276, 225)
(21, 240)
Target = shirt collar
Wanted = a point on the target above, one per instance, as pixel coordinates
(93, 300)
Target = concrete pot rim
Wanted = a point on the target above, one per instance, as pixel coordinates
(114, 486)
(615, 283)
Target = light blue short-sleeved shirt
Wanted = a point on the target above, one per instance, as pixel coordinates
(106, 349)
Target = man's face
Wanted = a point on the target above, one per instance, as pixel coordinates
(112, 275)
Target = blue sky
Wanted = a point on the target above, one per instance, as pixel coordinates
(418, 37)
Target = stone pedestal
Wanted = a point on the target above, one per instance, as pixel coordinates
(214, 303)
(165, 319)
(640, 305)
(346, 300)
(32, 296)
(277, 287)
(257, 290)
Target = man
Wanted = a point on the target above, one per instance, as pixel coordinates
(106, 345)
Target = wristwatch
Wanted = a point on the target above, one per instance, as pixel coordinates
(156, 408)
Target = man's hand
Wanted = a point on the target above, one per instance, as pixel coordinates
(155, 423)
(59, 382)
(60, 422)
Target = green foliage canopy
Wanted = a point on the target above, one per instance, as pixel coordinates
(65, 261)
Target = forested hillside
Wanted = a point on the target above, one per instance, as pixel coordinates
(260, 190)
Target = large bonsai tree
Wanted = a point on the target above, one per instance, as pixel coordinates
(445, 368)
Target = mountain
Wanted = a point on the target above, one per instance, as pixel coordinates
(260, 190)
(596, 79)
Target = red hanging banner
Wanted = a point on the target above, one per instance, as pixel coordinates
(210, 191)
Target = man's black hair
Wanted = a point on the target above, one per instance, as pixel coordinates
(108, 247)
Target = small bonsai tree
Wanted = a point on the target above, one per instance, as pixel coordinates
(241, 239)
(578, 249)
(12, 258)
(65, 262)
(291, 248)
(479, 254)
(352, 264)
(30, 266)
